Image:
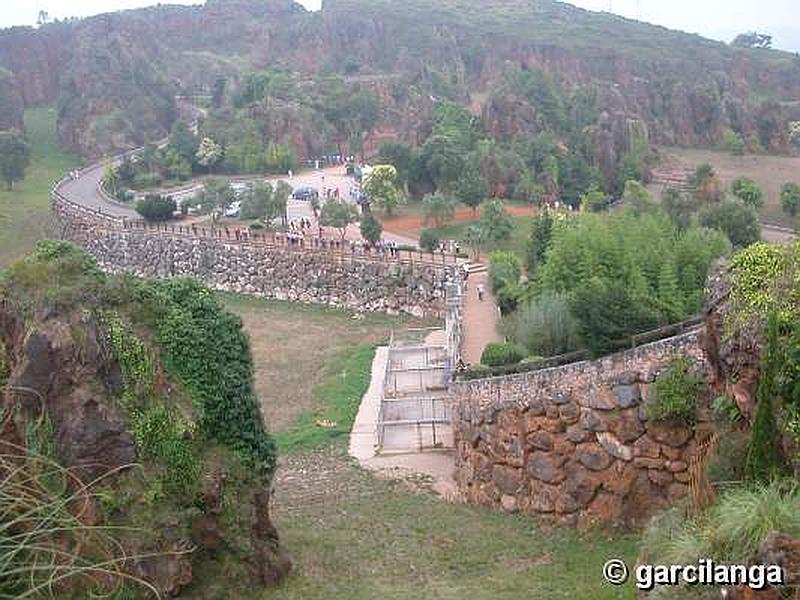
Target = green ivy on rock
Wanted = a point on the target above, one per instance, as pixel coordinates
(206, 349)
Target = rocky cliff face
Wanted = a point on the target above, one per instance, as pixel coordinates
(62, 370)
(115, 74)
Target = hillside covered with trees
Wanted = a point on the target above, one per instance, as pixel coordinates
(359, 73)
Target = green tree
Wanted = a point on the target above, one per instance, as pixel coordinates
(183, 141)
(631, 168)
(110, 177)
(735, 219)
(637, 197)
(371, 228)
(216, 194)
(438, 209)
(707, 186)
(594, 200)
(15, 156)
(444, 157)
(545, 326)
(338, 214)
(209, 153)
(790, 198)
(429, 240)
(669, 296)
(279, 204)
(495, 222)
(475, 237)
(748, 192)
(154, 207)
(529, 189)
(794, 134)
(256, 202)
(733, 142)
(279, 158)
(539, 241)
(175, 165)
(679, 207)
(381, 187)
(471, 189)
(608, 314)
(505, 272)
(752, 39)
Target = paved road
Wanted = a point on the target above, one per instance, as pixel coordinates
(85, 190)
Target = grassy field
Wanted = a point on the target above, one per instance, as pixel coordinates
(353, 535)
(357, 537)
(516, 243)
(310, 361)
(770, 172)
(24, 211)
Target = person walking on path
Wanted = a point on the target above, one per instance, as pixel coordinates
(480, 292)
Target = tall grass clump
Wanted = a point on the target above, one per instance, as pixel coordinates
(730, 531)
(46, 550)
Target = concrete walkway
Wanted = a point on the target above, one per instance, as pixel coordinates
(438, 465)
(481, 319)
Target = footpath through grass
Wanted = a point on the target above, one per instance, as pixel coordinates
(24, 212)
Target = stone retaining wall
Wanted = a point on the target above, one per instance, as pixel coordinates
(284, 273)
(573, 441)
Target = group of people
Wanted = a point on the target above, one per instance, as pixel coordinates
(381, 247)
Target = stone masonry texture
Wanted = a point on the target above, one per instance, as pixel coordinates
(282, 273)
(573, 442)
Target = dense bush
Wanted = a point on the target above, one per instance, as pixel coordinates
(626, 273)
(429, 240)
(205, 348)
(674, 395)
(735, 219)
(498, 355)
(545, 326)
(156, 208)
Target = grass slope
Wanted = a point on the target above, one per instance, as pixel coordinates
(353, 535)
(339, 395)
(357, 537)
(24, 211)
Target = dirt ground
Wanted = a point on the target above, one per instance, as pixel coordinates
(292, 344)
(770, 172)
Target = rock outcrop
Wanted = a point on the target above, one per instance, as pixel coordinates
(60, 370)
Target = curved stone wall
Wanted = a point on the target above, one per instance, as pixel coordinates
(573, 441)
(281, 272)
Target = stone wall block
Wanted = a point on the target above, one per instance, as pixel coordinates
(614, 447)
(593, 456)
(546, 467)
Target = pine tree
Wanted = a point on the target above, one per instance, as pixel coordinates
(765, 460)
(668, 291)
